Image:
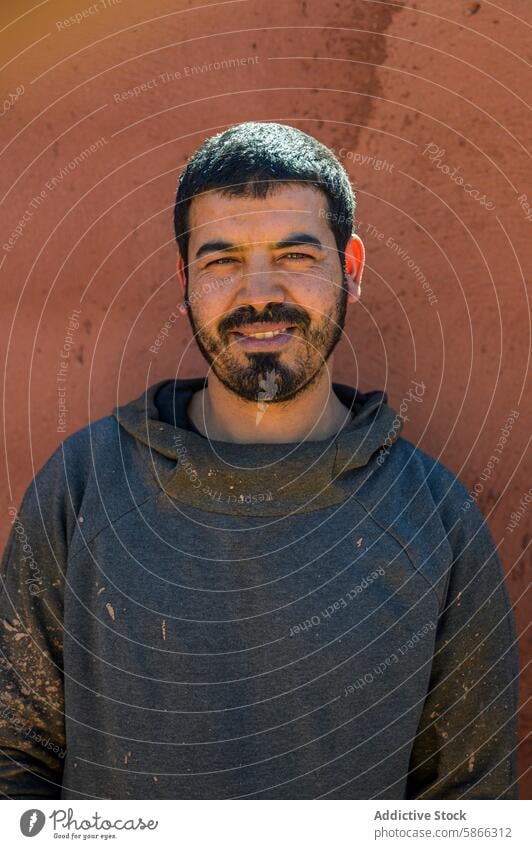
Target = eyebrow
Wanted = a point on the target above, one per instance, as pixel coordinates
(292, 240)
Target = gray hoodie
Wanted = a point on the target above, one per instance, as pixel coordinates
(183, 618)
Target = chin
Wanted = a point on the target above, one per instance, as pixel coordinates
(266, 379)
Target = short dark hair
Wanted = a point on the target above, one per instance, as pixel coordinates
(251, 159)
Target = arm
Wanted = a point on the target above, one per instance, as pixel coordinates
(32, 736)
(466, 741)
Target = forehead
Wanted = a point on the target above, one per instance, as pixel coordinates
(285, 208)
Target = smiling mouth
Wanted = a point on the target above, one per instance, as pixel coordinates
(264, 334)
(265, 338)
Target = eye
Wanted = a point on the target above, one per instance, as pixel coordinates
(221, 260)
(296, 255)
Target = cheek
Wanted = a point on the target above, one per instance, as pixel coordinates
(215, 285)
(208, 306)
(317, 295)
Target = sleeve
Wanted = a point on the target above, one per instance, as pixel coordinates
(32, 733)
(466, 743)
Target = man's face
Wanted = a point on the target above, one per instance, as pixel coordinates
(261, 265)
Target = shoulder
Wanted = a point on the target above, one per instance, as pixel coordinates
(429, 510)
(92, 478)
(457, 508)
(73, 459)
(411, 468)
(54, 496)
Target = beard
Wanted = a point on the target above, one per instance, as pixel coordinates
(271, 376)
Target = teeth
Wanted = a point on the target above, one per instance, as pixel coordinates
(267, 335)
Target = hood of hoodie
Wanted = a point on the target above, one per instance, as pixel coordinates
(258, 479)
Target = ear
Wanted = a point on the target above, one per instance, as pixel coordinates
(181, 276)
(355, 256)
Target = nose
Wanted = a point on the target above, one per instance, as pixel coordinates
(260, 284)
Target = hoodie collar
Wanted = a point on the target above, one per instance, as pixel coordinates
(260, 479)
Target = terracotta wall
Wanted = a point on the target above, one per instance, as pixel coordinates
(415, 95)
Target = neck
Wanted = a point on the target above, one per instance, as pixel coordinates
(316, 413)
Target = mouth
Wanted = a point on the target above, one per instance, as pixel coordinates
(264, 337)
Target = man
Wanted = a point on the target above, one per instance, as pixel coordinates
(249, 585)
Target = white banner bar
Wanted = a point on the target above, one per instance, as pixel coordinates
(255, 824)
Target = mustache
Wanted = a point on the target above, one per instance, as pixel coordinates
(274, 314)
